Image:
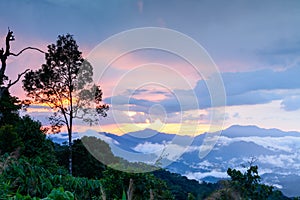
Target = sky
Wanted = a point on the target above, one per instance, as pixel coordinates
(254, 44)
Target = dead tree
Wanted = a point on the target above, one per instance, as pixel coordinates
(5, 83)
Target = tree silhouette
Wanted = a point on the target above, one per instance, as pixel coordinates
(248, 183)
(4, 54)
(65, 84)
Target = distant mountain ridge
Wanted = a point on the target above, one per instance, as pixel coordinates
(247, 131)
(277, 153)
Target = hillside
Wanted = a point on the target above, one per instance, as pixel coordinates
(276, 153)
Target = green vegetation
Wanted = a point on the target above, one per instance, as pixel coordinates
(183, 188)
(33, 167)
(245, 186)
(25, 176)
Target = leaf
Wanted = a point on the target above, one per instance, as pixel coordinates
(123, 195)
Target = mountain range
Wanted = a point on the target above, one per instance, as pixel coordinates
(276, 152)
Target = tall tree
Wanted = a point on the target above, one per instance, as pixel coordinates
(65, 84)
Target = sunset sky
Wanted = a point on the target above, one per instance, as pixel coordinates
(254, 44)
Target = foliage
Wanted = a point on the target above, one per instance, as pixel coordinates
(28, 178)
(82, 188)
(99, 150)
(9, 107)
(248, 183)
(124, 195)
(191, 196)
(56, 194)
(26, 137)
(5, 186)
(19, 196)
(60, 194)
(115, 182)
(84, 163)
(36, 144)
(9, 139)
(245, 186)
(182, 188)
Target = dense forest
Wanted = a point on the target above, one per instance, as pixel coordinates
(34, 167)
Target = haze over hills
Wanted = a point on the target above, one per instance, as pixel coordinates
(277, 153)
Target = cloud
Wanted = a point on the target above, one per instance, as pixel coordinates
(149, 147)
(204, 165)
(225, 36)
(242, 82)
(285, 146)
(291, 103)
(274, 185)
(165, 150)
(242, 88)
(285, 161)
(283, 52)
(238, 83)
(257, 87)
(201, 175)
(252, 98)
(276, 144)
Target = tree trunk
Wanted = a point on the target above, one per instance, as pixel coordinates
(70, 151)
(130, 190)
(2, 70)
(71, 124)
(151, 195)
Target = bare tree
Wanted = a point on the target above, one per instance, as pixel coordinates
(5, 83)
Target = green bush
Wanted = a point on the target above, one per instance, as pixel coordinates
(9, 139)
(26, 177)
(82, 188)
(59, 194)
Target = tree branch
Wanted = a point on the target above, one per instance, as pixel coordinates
(19, 76)
(40, 99)
(9, 37)
(27, 48)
